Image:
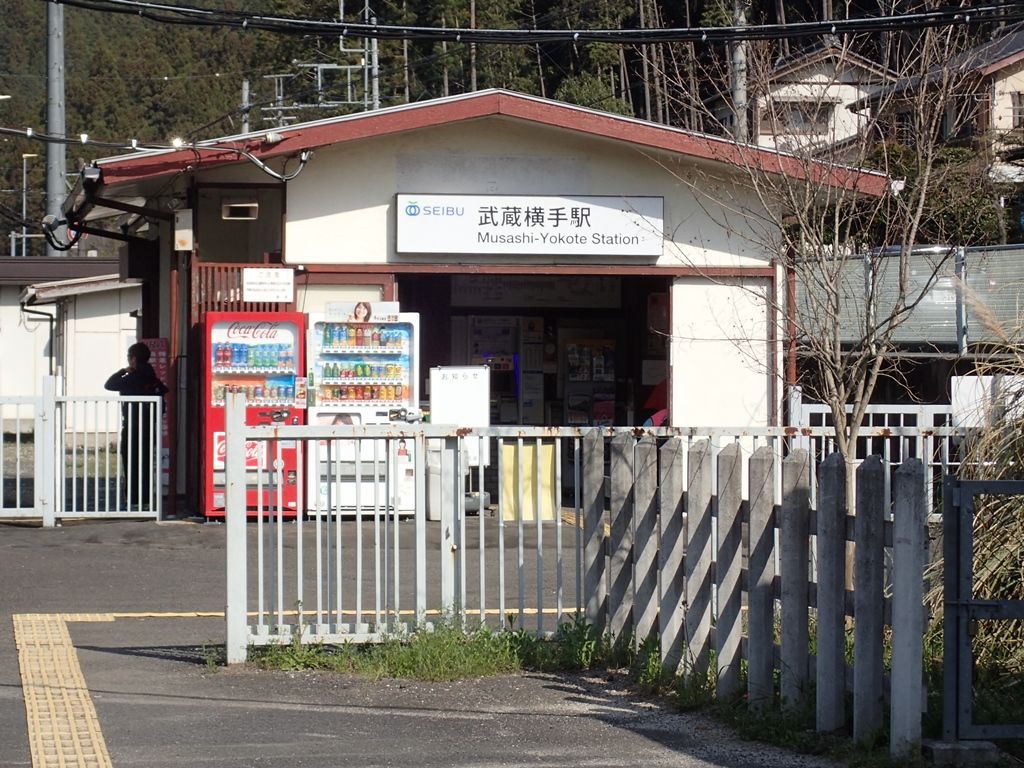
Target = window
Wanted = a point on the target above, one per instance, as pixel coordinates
(903, 127)
(1017, 110)
(804, 117)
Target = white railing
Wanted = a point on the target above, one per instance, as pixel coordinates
(365, 568)
(78, 457)
(21, 464)
(636, 531)
(881, 415)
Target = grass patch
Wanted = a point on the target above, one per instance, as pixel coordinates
(448, 653)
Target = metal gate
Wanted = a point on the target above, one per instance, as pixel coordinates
(963, 609)
(75, 457)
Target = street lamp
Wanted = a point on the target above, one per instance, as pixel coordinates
(24, 201)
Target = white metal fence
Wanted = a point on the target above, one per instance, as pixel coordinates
(78, 457)
(361, 570)
(637, 531)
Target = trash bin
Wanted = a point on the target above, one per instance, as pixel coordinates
(511, 508)
(435, 499)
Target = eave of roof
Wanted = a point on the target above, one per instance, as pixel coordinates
(25, 271)
(981, 61)
(1003, 63)
(48, 292)
(473, 106)
(850, 58)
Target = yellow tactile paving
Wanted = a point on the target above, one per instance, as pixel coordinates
(63, 729)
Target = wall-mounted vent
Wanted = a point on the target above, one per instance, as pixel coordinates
(239, 211)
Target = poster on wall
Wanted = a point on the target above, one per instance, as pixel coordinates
(578, 362)
(361, 311)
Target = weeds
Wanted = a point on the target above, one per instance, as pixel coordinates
(214, 657)
(452, 652)
(447, 653)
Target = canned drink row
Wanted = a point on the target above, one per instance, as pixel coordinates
(363, 393)
(363, 371)
(256, 392)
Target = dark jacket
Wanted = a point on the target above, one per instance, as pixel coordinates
(141, 381)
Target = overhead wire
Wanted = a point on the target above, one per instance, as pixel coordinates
(186, 14)
(196, 16)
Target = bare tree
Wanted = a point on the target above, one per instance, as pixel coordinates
(845, 205)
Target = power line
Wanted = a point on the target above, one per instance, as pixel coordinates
(195, 16)
(126, 78)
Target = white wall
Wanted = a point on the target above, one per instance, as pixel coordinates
(719, 352)
(24, 359)
(99, 330)
(91, 344)
(340, 209)
(1006, 84)
(843, 124)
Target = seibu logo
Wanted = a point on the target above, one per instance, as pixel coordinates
(255, 452)
(258, 330)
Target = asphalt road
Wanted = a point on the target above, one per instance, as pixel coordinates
(160, 702)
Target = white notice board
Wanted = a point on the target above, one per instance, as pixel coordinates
(268, 284)
(460, 396)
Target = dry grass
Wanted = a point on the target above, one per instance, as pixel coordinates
(997, 453)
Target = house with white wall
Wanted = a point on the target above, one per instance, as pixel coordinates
(804, 101)
(66, 317)
(95, 321)
(985, 110)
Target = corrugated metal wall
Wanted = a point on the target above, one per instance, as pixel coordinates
(993, 295)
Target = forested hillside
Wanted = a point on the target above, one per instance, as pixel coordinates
(127, 77)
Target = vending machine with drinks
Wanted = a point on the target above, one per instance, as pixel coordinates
(260, 354)
(363, 369)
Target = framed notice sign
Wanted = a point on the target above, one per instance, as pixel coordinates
(530, 224)
(460, 395)
(263, 284)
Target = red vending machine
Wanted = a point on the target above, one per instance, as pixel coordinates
(260, 354)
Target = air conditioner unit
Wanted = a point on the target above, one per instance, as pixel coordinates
(240, 211)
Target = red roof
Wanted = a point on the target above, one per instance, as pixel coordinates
(474, 106)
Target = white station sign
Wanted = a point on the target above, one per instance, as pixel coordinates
(527, 224)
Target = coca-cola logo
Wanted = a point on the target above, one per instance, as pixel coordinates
(258, 330)
(255, 452)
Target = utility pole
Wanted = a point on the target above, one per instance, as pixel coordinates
(245, 105)
(374, 73)
(739, 75)
(56, 163)
(472, 47)
(644, 54)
